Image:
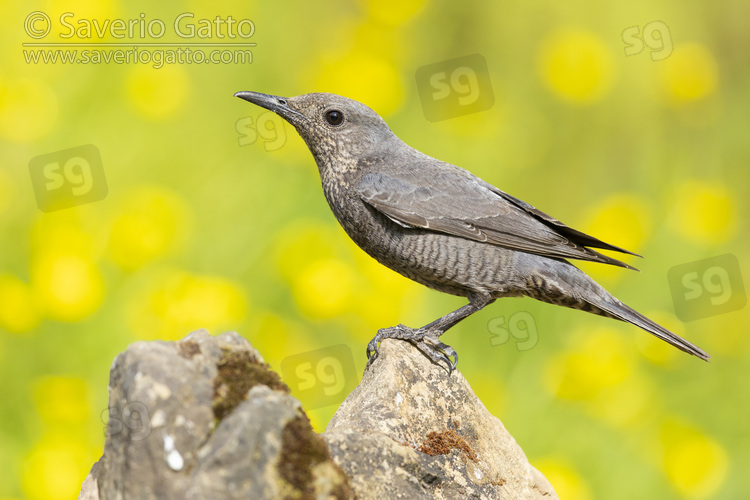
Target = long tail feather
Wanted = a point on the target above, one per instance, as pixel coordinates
(620, 311)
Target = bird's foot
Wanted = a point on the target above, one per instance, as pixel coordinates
(423, 339)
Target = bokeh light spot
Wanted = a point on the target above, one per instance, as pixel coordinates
(599, 360)
(70, 286)
(158, 93)
(393, 12)
(62, 400)
(694, 462)
(365, 77)
(626, 403)
(704, 212)
(7, 190)
(28, 109)
(576, 65)
(88, 9)
(394, 294)
(55, 468)
(689, 74)
(18, 310)
(149, 223)
(567, 482)
(180, 302)
(324, 288)
(621, 219)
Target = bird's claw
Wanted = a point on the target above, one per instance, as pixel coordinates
(437, 351)
(424, 340)
(395, 332)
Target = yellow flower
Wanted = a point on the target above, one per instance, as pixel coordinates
(93, 9)
(705, 212)
(576, 65)
(330, 277)
(278, 337)
(158, 93)
(177, 302)
(689, 74)
(626, 403)
(319, 417)
(393, 12)
(65, 277)
(622, 219)
(566, 481)
(28, 109)
(694, 462)
(150, 223)
(7, 190)
(69, 286)
(324, 288)
(18, 310)
(364, 76)
(301, 243)
(383, 293)
(56, 466)
(62, 399)
(599, 360)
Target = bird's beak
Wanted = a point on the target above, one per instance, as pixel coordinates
(278, 105)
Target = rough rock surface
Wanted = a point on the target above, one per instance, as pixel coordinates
(405, 404)
(204, 418)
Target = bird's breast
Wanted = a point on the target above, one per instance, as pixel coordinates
(445, 263)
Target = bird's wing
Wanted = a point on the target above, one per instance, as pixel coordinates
(456, 202)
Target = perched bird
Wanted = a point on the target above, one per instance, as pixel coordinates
(444, 227)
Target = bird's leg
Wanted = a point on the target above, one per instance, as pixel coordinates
(427, 338)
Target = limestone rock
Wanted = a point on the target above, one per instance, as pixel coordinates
(204, 418)
(405, 404)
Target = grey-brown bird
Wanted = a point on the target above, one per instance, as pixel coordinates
(444, 227)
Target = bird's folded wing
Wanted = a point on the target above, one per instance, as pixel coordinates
(457, 203)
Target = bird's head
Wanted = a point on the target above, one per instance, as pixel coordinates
(334, 127)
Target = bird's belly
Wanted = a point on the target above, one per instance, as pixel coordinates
(445, 263)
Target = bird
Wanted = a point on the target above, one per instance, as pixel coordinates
(444, 227)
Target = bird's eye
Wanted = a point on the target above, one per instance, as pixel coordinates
(335, 117)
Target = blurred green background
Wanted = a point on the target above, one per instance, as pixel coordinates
(215, 218)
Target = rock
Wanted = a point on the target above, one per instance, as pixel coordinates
(405, 404)
(204, 418)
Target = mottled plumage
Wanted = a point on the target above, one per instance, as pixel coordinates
(442, 226)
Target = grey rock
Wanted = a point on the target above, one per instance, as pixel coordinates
(204, 418)
(403, 398)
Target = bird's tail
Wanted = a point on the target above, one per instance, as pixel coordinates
(568, 286)
(614, 308)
